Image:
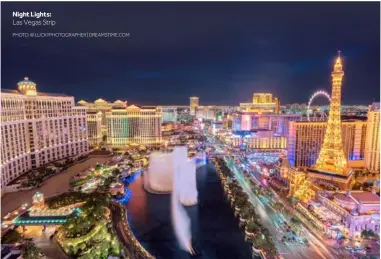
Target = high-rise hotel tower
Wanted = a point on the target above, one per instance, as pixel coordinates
(134, 125)
(38, 128)
(372, 146)
(193, 104)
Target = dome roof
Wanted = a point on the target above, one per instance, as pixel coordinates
(83, 102)
(26, 86)
(100, 100)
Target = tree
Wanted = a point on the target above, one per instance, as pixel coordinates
(11, 237)
(269, 194)
(31, 251)
(115, 172)
(279, 206)
(367, 233)
(252, 227)
(245, 213)
(294, 201)
(104, 138)
(98, 166)
(296, 223)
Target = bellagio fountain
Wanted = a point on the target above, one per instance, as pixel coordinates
(174, 173)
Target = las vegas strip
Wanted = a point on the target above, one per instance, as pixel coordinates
(214, 130)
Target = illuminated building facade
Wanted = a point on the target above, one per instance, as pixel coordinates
(38, 128)
(206, 112)
(102, 106)
(216, 127)
(372, 145)
(298, 184)
(193, 104)
(258, 142)
(262, 103)
(134, 125)
(355, 211)
(305, 141)
(94, 128)
(331, 157)
(278, 123)
(273, 143)
(169, 113)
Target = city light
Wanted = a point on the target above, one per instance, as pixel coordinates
(198, 135)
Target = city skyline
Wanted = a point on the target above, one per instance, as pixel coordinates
(164, 62)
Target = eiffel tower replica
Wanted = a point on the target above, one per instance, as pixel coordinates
(331, 165)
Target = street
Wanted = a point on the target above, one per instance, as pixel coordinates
(273, 220)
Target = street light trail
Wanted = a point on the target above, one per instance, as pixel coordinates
(268, 217)
(310, 235)
(263, 213)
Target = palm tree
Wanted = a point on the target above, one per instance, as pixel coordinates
(247, 213)
(239, 203)
(252, 227)
(30, 251)
(10, 237)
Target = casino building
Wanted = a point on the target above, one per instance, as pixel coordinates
(372, 146)
(134, 125)
(38, 128)
(305, 140)
(95, 109)
(262, 103)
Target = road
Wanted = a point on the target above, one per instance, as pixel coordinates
(314, 236)
(271, 219)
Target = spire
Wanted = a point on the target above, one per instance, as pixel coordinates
(338, 67)
(331, 157)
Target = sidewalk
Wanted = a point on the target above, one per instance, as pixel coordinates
(49, 248)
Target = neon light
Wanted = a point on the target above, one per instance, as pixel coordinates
(125, 198)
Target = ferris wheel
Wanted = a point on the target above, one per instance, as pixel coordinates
(316, 94)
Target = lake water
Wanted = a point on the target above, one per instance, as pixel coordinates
(215, 231)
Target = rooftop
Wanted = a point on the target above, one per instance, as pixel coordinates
(357, 197)
(365, 197)
(9, 91)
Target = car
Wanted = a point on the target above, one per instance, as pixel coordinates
(348, 248)
(368, 247)
(301, 242)
(359, 247)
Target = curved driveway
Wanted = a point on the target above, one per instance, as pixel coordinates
(54, 185)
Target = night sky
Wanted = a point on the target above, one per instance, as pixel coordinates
(221, 52)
